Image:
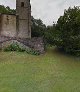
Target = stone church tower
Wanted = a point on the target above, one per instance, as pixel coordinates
(23, 19)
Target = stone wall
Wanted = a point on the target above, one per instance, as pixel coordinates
(36, 43)
(8, 43)
(8, 25)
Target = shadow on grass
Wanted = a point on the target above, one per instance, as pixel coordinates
(60, 52)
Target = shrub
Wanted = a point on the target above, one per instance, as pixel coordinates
(16, 47)
(33, 52)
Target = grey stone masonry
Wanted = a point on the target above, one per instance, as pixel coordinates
(23, 12)
(35, 43)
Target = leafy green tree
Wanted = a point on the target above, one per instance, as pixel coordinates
(50, 34)
(38, 28)
(68, 27)
(7, 10)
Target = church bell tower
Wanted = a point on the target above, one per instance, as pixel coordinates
(23, 19)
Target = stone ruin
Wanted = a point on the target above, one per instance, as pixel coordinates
(16, 28)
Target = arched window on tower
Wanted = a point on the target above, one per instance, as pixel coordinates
(22, 4)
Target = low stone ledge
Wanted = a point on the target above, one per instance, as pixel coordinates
(35, 43)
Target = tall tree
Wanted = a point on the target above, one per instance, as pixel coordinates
(38, 28)
(68, 27)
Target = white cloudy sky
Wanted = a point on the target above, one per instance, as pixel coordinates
(47, 10)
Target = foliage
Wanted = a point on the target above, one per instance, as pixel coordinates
(38, 28)
(68, 27)
(7, 10)
(50, 34)
(32, 52)
(16, 47)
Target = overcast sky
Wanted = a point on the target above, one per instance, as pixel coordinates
(47, 10)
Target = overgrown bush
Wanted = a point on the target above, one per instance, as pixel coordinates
(33, 52)
(16, 47)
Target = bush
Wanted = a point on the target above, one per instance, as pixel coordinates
(16, 47)
(33, 52)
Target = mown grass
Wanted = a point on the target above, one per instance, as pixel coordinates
(51, 72)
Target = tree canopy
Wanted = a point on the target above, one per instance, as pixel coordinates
(38, 28)
(7, 10)
(68, 27)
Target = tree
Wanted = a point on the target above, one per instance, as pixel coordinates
(40, 30)
(50, 34)
(37, 27)
(68, 27)
(7, 10)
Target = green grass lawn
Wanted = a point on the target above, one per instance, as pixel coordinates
(51, 72)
